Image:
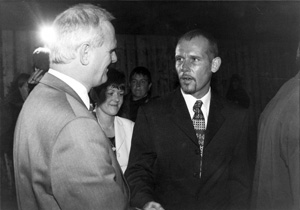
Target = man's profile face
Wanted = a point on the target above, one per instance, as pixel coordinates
(104, 55)
(140, 86)
(193, 66)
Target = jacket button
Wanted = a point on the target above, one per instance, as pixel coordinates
(197, 151)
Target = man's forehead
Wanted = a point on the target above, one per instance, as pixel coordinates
(109, 33)
(193, 46)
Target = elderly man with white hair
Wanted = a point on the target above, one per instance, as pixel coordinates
(62, 158)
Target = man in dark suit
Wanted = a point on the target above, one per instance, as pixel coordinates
(170, 167)
(62, 158)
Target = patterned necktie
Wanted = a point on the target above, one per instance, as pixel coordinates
(199, 126)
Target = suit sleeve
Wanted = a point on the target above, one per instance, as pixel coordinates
(139, 173)
(240, 176)
(289, 150)
(82, 174)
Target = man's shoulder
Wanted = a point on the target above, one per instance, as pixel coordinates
(55, 102)
(161, 102)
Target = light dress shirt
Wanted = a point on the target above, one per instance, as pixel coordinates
(74, 84)
(191, 100)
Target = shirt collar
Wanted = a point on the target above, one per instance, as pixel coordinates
(191, 100)
(74, 84)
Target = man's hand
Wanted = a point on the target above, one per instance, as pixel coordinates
(152, 206)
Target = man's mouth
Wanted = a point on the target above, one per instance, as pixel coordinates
(186, 78)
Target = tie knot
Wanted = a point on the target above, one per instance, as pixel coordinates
(197, 106)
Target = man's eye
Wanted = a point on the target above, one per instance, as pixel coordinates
(195, 59)
(178, 58)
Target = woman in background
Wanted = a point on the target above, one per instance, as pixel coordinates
(108, 99)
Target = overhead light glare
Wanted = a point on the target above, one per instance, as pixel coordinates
(47, 34)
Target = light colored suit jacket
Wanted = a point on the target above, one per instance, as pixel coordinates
(123, 135)
(62, 158)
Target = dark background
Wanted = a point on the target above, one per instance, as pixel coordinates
(278, 20)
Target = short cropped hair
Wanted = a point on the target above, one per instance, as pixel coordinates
(115, 78)
(141, 70)
(213, 45)
(75, 26)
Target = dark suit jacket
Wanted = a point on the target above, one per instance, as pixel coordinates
(164, 159)
(62, 158)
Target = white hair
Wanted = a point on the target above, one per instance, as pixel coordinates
(82, 23)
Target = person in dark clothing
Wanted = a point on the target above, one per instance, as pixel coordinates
(41, 62)
(236, 93)
(10, 109)
(189, 147)
(140, 87)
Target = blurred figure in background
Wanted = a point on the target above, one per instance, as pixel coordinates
(10, 109)
(236, 93)
(140, 92)
(109, 99)
(276, 183)
(40, 66)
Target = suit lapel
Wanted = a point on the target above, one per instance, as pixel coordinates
(179, 114)
(50, 80)
(215, 119)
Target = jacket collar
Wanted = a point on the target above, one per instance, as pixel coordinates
(215, 119)
(179, 114)
(54, 82)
